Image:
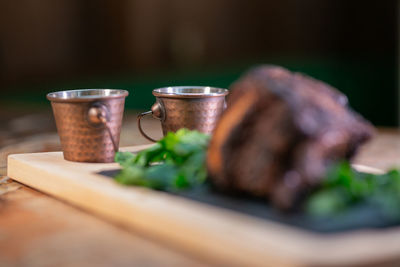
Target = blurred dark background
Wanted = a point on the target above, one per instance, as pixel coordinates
(51, 45)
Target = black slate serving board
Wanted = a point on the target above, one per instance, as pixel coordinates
(357, 217)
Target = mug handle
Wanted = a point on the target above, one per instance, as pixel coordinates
(99, 114)
(157, 112)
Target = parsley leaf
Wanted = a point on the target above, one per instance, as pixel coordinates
(177, 161)
(344, 187)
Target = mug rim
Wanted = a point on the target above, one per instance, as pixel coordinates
(75, 95)
(177, 92)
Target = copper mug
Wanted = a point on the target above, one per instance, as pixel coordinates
(192, 107)
(89, 122)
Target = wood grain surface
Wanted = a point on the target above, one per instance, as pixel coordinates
(207, 231)
(38, 230)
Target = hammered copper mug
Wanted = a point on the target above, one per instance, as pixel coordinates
(192, 107)
(89, 123)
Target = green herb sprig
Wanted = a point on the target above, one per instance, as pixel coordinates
(177, 161)
(345, 187)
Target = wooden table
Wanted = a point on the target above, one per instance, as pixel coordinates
(38, 230)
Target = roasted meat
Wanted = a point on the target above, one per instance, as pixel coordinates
(279, 134)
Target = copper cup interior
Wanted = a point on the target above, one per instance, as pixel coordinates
(190, 91)
(86, 94)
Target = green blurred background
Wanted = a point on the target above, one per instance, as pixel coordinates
(141, 45)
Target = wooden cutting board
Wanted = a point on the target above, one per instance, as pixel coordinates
(222, 236)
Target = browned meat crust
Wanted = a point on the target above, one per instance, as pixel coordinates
(279, 134)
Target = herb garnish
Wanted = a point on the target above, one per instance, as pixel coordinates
(344, 187)
(177, 161)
